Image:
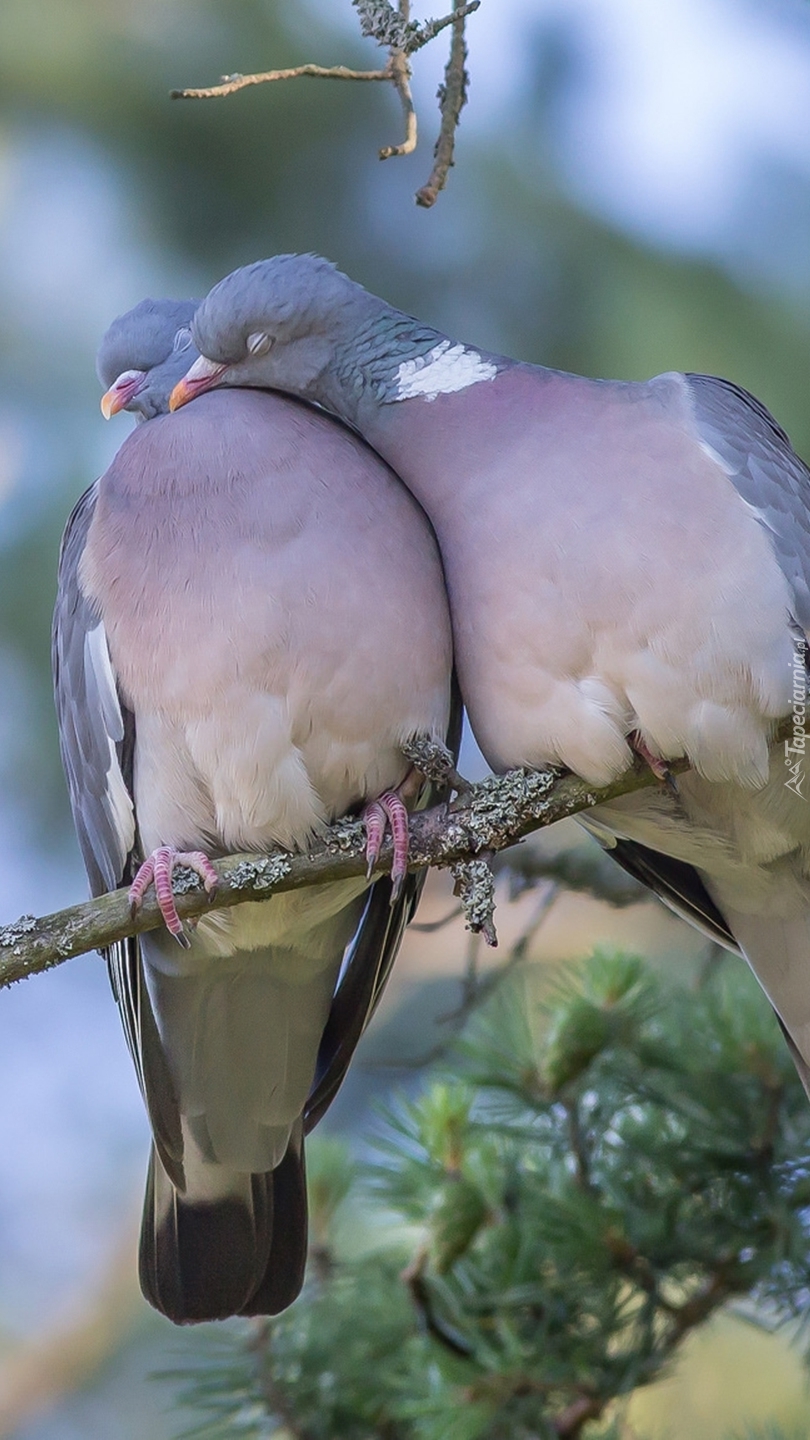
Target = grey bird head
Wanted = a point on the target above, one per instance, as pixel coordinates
(292, 305)
(142, 356)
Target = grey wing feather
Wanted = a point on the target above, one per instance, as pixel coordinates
(674, 882)
(96, 739)
(94, 729)
(765, 470)
(681, 889)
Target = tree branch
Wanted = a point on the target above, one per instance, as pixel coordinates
(390, 27)
(487, 817)
(399, 73)
(231, 83)
(274, 1396)
(452, 99)
(381, 22)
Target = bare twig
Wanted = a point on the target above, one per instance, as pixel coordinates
(495, 813)
(571, 1421)
(579, 1148)
(413, 1276)
(584, 870)
(391, 27)
(400, 76)
(231, 83)
(397, 71)
(477, 988)
(431, 28)
(452, 99)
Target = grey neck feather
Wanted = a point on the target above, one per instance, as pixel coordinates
(333, 342)
(351, 357)
(370, 352)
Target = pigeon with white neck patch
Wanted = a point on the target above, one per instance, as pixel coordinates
(628, 568)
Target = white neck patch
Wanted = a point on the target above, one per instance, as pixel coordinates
(441, 371)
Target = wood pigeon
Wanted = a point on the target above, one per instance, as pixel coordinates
(251, 620)
(141, 352)
(628, 567)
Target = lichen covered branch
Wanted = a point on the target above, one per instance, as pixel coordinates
(391, 27)
(380, 21)
(487, 817)
(452, 99)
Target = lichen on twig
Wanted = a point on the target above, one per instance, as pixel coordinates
(474, 884)
(392, 27)
(452, 99)
(486, 818)
(380, 21)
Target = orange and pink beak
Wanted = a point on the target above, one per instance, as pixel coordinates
(203, 375)
(124, 389)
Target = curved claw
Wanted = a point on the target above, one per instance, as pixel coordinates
(388, 811)
(398, 820)
(157, 870)
(374, 819)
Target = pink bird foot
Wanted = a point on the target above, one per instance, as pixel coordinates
(388, 810)
(157, 870)
(659, 767)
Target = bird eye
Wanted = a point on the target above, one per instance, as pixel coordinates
(182, 340)
(258, 343)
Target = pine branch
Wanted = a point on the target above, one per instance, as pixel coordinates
(582, 1197)
(484, 819)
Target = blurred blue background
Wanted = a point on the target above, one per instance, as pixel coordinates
(631, 195)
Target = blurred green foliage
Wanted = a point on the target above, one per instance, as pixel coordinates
(218, 178)
(554, 1215)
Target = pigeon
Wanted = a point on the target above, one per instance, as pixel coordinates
(628, 569)
(251, 621)
(141, 354)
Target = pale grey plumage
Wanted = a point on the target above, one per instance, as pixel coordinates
(152, 339)
(233, 669)
(766, 471)
(92, 723)
(620, 557)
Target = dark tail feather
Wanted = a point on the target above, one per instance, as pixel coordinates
(244, 1254)
(284, 1272)
(371, 956)
(370, 959)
